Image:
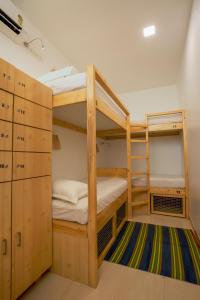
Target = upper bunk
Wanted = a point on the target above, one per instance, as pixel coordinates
(158, 124)
(70, 103)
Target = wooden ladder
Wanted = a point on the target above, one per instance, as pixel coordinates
(141, 130)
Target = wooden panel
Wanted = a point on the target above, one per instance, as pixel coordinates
(6, 76)
(5, 135)
(67, 98)
(31, 139)
(68, 227)
(5, 166)
(32, 231)
(167, 191)
(112, 172)
(165, 127)
(6, 106)
(5, 240)
(28, 113)
(68, 125)
(27, 165)
(31, 89)
(70, 256)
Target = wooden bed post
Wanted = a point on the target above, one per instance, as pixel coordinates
(92, 197)
(186, 165)
(128, 140)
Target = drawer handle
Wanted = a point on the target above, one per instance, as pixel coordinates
(4, 247)
(3, 166)
(20, 166)
(19, 239)
(174, 126)
(9, 77)
(4, 75)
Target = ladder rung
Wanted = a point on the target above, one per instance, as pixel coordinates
(139, 157)
(138, 141)
(139, 203)
(140, 174)
(139, 189)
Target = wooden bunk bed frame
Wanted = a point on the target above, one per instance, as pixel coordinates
(76, 253)
(167, 128)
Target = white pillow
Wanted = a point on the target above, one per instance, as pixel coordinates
(69, 190)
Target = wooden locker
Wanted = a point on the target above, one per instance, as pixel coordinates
(31, 89)
(27, 165)
(32, 231)
(5, 240)
(6, 76)
(31, 139)
(5, 136)
(5, 166)
(31, 114)
(6, 106)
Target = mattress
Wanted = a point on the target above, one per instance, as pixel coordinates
(165, 119)
(69, 83)
(165, 181)
(108, 190)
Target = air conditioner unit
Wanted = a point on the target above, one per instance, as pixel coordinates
(11, 22)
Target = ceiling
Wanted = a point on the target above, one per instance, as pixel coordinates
(108, 33)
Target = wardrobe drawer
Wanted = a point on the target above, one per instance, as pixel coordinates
(6, 76)
(5, 135)
(31, 139)
(6, 106)
(31, 89)
(5, 166)
(27, 165)
(28, 113)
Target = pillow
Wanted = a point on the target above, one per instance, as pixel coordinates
(69, 190)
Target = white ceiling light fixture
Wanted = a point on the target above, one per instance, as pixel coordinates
(149, 31)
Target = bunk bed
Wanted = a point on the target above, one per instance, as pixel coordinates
(167, 194)
(83, 234)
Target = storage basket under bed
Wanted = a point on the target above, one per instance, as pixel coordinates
(172, 205)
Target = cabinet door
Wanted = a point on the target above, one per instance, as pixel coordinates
(32, 231)
(31, 139)
(31, 114)
(6, 106)
(27, 165)
(5, 240)
(5, 166)
(5, 136)
(6, 76)
(31, 89)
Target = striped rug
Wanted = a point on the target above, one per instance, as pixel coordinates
(168, 251)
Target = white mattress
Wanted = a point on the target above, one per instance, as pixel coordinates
(168, 181)
(108, 189)
(69, 83)
(169, 118)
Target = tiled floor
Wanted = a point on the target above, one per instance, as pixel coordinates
(118, 282)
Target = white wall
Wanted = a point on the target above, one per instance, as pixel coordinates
(37, 63)
(190, 96)
(151, 100)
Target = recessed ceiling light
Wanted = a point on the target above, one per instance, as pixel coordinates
(149, 31)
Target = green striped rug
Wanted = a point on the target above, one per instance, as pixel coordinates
(167, 251)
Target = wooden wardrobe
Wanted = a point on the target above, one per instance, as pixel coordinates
(25, 180)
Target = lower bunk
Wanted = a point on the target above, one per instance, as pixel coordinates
(71, 239)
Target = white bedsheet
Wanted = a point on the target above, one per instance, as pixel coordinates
(69, 83)
(168, 181)
(108, 189)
